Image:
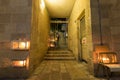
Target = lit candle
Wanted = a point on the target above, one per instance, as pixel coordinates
(22, 45)
(19, 63)
(105, 60)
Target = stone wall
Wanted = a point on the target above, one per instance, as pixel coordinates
(15, 23)
(110, 25)
(115, 26)
(104, 13)
(78, 43)
(39, 34)
(15, 19)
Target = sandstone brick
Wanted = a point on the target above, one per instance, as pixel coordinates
(94, 3)
(16, 10)
(115, 30)
(4, 45)
(16, 36)
(2, 28)
(4, 36)
(10, 28)
(116, 38)
(113, 13)
(29, 3)
(112, 2)
(18, 18)
(2, 10)
(14, 3)
(5, 18)
(4, 2)
(116, 47)
(22, 28)
(105, 22)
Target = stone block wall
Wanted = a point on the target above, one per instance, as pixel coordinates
(15, 20)
(115, 26)
(15, 23)
(105, 24)
(110, 25)
(81, 8)
(39, 33)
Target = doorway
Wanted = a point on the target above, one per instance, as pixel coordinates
(82, 40)
(58, 33)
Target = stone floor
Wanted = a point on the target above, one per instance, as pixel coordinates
(62, 70)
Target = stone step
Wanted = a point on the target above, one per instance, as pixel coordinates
(59, 52)
(59, 58)
(59, 55)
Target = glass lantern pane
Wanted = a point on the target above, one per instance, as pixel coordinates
(107, 57)
(15, 45)
(22, 45)
(19, 63)
(28, 44)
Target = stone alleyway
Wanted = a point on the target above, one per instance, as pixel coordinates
(62, 70)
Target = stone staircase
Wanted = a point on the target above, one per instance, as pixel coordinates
(59, 55)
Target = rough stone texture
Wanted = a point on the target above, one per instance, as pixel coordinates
(15, 23)
(115, 26)
(74, 30)
(2, 28)
(39, 34)
(62, 70)
(13, 15)
(110, 24)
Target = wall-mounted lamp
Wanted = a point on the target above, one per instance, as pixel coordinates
(107, 57)
(20, 45)
(19, 63)
(20, 60)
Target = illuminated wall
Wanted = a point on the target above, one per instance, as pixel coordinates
(39, 33)
(110, 25)
(75, 41)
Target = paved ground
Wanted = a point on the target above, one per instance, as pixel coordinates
(62, 70)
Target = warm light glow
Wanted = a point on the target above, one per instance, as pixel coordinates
(53, 40)
(42, 5)
(52, 45)
(107, 57)
(28, 44)
(15, 45)
(101, 48)
(27, 63)
(52, 1)
(55, 1)
(19, 63)
(105, 60)
(20, 45)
